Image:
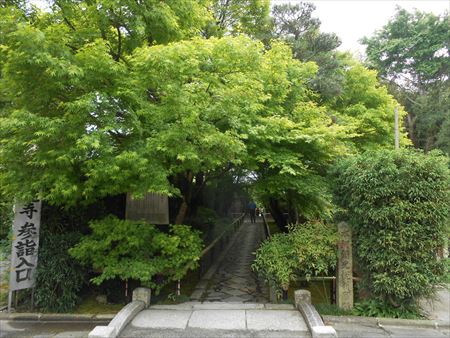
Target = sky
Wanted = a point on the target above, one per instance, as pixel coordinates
(353, 19)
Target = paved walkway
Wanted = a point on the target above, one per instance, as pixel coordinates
(234, 281)
(369, 330)
(438, 308)
(195, 319)
(32, 329)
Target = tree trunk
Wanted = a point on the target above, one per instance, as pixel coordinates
(411, 122)
(186, 190)
(277, 214)
(182, 212)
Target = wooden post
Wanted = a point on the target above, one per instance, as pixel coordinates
(16, 299)
(344, 280)
(32, 298)
(10, 296)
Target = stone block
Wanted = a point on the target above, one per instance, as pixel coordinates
(103, 332)
(323, 332)
(302, 296)
(143, 295)
(101, 299)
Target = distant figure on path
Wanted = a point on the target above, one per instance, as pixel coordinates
(252, 210)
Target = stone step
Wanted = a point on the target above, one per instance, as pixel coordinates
(201, 333)
(223, 306)
(213, 318)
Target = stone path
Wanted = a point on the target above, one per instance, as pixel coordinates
(234, 281)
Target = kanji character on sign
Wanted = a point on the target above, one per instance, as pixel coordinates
(23, 275)
(29, 210)
(27, 230)
(27, 248)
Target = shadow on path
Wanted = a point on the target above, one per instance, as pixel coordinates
(234, 280)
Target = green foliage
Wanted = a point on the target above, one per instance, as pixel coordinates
(365, 109)
(250, 17)
(91, 106)
(408, 45)
(6, 218)
(411, 53)
(59, 277)
(275, 260)
(139, 251)
(446, 277)
(64, 98)
(398, 203)
(377, 308)
(307, 250)
(204, 217)
(295, 24)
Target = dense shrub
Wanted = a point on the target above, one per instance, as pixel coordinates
(6, 217)
(59, 276)
(307, 250)
(139, 251)
(380, 308)
(398, 204)
(203, 218)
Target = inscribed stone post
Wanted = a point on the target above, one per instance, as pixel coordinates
(344, 289)
(25, 244)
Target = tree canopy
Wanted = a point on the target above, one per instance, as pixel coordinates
(100, 98)
(411, 53)
(295, 24)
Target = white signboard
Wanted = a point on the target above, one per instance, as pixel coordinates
(24, 253)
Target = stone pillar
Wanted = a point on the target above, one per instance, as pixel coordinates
(344, 281)
(302, 296)
(143, 295)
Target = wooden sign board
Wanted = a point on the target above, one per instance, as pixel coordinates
(152, 208)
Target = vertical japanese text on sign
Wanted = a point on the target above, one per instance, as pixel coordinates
(25, 245)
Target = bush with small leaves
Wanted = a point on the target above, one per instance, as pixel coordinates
(307, 250)
(59, 277)
(398, 204)
(140, 251)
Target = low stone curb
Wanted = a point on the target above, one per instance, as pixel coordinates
(376, 321)
(312, 318)
(119, 321)
(57, 317)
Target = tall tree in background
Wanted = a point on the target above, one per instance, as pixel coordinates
(411, 53)
(250, 17)
(296, 25)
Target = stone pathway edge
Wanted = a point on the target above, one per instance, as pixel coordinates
(312, 318)
(420, 323)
